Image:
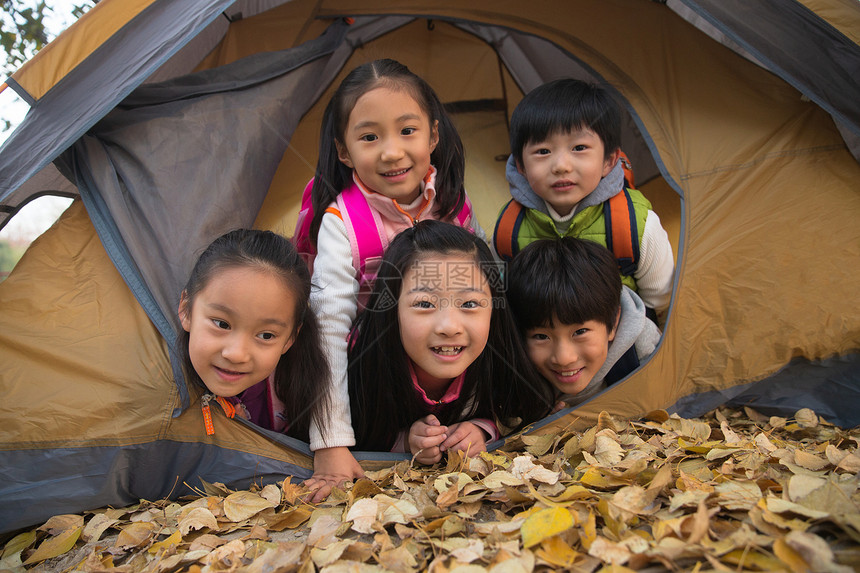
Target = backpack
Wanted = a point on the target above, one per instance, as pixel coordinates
(367, 237)
(619, 216)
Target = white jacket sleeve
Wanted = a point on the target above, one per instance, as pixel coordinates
(333, 299)
(656, 268)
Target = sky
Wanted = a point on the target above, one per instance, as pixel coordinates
(39, 214)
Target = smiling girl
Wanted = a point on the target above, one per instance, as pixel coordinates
(245, 316)
(435, 363)
(389, 157)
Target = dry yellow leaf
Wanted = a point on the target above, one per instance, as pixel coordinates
(557, 552)
(18, 543)
(55, 546)
(544, 524)
(243, 505)
(538, 445)
(172, 541)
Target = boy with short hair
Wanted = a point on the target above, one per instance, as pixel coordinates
(583, 330)
(564, 170)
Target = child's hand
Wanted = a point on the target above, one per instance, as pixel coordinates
(425, 436)
(332, 467)
(465, 436)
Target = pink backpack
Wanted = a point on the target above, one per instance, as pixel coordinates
(365, 230)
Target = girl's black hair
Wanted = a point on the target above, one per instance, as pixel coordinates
(569, 280)
(564, 105)
(302, 375)
(332, 176)
(501, 383)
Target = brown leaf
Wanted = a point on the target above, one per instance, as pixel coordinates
(198, 518)
(292, 491)
(289, 519)
(206, 541)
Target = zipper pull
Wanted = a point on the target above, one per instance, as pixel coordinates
(207, 414)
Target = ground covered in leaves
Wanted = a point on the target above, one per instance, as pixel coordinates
(734, 491)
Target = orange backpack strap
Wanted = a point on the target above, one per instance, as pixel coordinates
(508, 229)
(622, 236)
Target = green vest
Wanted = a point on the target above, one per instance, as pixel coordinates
(586, 224)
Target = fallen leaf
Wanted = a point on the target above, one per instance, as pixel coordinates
(198, 518)
(607, 451)
(362, 514)
(55, 546)
(738, 494)
(243, 505)
(609, 552)
(544, 524)
(524, 468)
(272, 494)
(799, 486)
(806, 418)
(472, 552)
(501, 478)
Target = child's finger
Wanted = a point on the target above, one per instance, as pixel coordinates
(426, 442)
(428, 456)
(456, 437)
(435, 430)
(431, 420)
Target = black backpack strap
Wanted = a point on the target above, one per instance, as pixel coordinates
(628, 362)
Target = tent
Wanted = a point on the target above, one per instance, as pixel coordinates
(173, 121)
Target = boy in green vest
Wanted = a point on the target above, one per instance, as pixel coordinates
(581, 328)
(566, 180)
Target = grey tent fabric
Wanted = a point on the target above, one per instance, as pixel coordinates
(91, 90)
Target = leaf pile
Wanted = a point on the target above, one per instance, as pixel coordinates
(734, 491)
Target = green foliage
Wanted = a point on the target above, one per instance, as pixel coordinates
(24, 30)
(8, 257)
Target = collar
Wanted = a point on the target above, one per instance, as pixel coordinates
(413, 211)
(452, 393)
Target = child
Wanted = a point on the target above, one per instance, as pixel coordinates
(583, 330)
(564, 169)
(435, 359)
(245, 315)
(387, 148)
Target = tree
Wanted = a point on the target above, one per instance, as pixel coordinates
(8, 257)
(25, 28)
